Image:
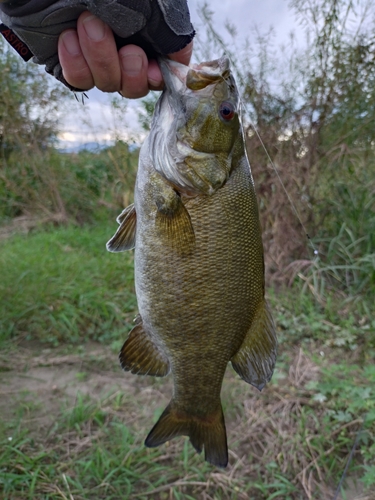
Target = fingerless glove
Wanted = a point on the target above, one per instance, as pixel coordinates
(158, 26)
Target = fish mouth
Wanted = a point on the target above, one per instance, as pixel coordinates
(178, 77)
(174, 74)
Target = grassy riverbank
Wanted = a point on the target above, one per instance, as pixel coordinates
(72, 424)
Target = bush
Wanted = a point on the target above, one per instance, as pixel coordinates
(54, 187)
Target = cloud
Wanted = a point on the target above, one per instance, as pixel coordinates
(102, 118)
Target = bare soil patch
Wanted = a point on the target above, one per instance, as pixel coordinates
(36, 384)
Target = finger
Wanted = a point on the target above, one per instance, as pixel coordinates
(74, 66)
(155, 78)
(99, 49)
(134, 65)
(183, 56)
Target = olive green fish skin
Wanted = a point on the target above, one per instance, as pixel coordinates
(199, 307)
(199, 268)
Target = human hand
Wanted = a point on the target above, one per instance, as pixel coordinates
(89, 58)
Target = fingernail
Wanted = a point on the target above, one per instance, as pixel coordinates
(155, 84)
(94, 28)
(131, 64)
(70, 41)
(155, 78)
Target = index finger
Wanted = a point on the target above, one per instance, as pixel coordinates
(155, 78)
(183, 56)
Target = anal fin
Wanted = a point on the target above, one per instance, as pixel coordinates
(255, 360)
(140, 356)
(124, 239)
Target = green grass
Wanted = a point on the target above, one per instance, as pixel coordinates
(94, 448)
(290, 442)
(91, 454)
(63, 286)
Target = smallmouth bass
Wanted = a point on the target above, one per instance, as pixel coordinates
(199, 268)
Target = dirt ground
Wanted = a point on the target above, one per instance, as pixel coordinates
(43, 380)
(40, 381)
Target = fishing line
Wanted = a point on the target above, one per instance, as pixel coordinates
(243, 106)
(294, 208)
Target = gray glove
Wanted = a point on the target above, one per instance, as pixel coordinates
(158, 27)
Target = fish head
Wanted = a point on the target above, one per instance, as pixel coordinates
(195, 126)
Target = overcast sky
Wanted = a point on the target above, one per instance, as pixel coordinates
(245, 13)
(96, 121)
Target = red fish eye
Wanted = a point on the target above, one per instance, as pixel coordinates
(226, 111)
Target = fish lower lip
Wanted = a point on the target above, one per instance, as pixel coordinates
(174, 73)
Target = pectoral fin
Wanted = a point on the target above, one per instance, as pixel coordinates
(140, 356)
(172, 218)
(124, 239)
(177, 230)
(255, 360)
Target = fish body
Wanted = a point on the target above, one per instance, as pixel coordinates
(199, 269)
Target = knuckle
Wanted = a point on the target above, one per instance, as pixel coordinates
(107, 86)
(80, 78)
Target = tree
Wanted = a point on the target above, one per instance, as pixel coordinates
(29, 104)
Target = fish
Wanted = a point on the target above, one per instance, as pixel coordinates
(198, 256)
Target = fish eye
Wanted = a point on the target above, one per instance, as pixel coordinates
(226, 111)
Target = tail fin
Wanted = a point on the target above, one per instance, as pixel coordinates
(208, 432)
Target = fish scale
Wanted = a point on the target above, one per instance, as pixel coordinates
(199, 268)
